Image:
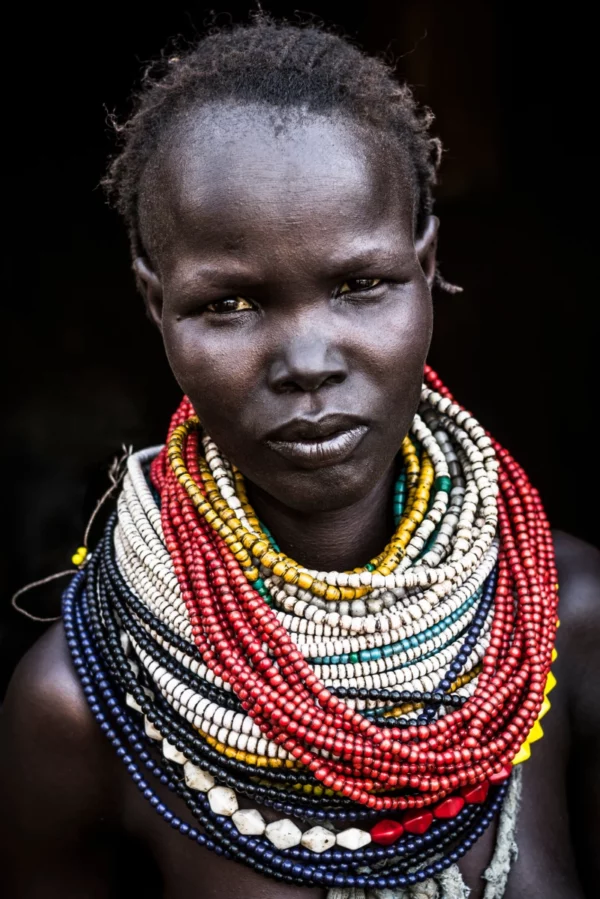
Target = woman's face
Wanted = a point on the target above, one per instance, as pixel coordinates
(293, 302)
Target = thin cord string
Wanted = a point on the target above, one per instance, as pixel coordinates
(116, 473)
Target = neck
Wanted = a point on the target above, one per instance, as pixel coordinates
(336, 540)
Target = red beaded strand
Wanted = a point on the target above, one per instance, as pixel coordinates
(467, 748)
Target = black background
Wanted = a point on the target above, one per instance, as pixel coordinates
(512, 89)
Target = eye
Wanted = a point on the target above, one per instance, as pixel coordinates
(358, 285)
(230, 304)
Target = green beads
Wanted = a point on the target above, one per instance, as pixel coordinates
(372, 655)
(442, 483)
(399, 497)
(271, 537)
(259, 586)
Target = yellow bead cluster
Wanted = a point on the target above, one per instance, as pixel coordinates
(316, 790)
(260, 761)
(415, 706)
(263, 761)
(536, 732)
(246, 545)
(308, 789)
(79, 557)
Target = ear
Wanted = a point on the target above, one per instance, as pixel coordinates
(426, 247)
(151, 289)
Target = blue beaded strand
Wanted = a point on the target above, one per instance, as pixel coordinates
(277, 865)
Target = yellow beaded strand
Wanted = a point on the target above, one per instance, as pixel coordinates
(414, 706)
(250, 758)
(536, 732)
(244, 544)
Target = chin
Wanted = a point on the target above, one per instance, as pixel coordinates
(325, 489)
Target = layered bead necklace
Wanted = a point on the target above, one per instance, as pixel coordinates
(377, 713)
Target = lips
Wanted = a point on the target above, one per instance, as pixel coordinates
(314, 443)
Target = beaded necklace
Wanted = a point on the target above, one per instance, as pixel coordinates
(379, 712)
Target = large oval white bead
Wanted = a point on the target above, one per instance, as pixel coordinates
(318, 839)
(249, 821)
(223, 801)
(151, 731)
(283, 834)
(353, 838)
(197, 779)
(172, 753)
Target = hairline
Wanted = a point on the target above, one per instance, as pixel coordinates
(180, 124)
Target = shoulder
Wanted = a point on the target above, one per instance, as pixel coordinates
(50, 743)
(579, 573)
(578, 638)
(45, 698)
(578, 565)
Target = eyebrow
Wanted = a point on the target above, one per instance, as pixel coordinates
(372, 256)
(338, 266)
(204, 272)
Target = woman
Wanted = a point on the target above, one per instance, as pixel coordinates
(338, 727)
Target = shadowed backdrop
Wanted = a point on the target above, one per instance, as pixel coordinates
(511, 89)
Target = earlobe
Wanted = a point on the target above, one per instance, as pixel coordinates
(150, 288)
(426, 247)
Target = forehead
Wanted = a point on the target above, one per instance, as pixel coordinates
(252, 177)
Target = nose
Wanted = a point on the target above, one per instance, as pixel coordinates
(306, 364)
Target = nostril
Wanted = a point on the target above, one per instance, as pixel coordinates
(288, 386)
(306, 366)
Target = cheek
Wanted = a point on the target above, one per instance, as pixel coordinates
(223, 370)
(214, 368)
(394, 348)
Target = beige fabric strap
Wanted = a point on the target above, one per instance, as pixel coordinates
(496, 874)
(450, 883)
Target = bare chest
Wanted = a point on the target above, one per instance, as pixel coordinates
(172, 867)
(176, 868)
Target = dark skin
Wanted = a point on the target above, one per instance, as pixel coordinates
(285, 216)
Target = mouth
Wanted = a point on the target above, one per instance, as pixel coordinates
(317, 443)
